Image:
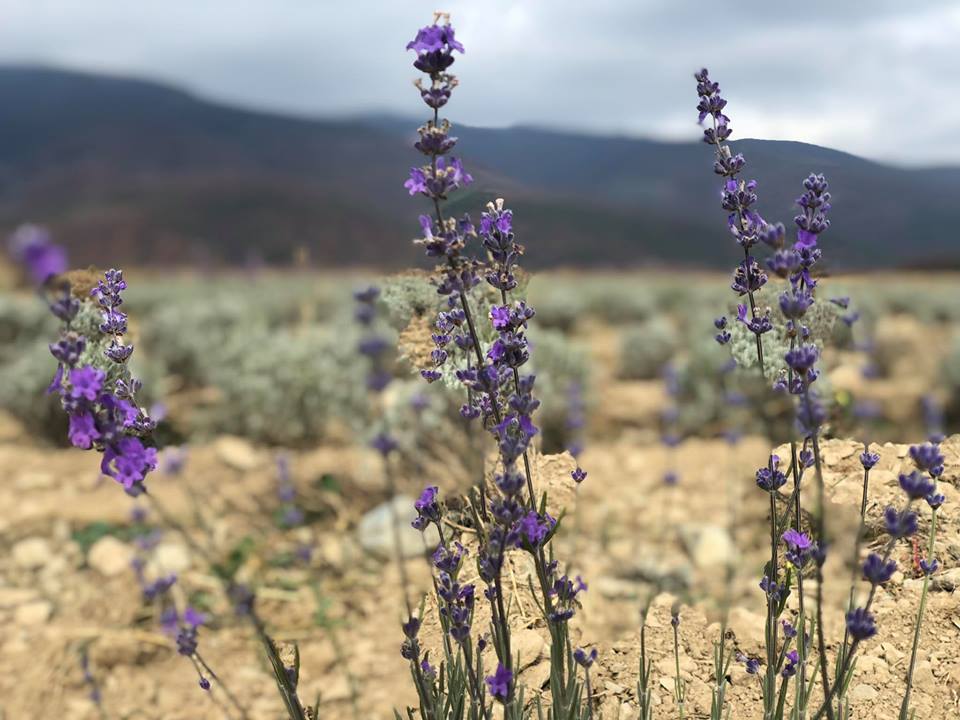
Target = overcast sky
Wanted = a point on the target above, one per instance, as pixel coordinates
(874, 77)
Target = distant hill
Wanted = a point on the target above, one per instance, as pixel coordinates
(131, 171)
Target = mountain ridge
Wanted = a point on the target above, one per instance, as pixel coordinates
(126, 170)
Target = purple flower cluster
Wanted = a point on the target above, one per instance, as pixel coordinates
(108, 295)
(290, 514)
(670, 429)
(771, 478)
(917, 485)
(737, 197)
(31, 246)
(576, 419)
(565, 592)
(789, 261)
(434, 45)
(500, 683)
(372, 346)
(488, 362)
(99, 396)
(458, 600)
(443, 238)
(800, 548)
(89, 680)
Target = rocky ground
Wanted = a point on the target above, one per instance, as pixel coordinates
(67, 587)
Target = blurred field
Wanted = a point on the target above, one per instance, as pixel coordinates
(246, 368)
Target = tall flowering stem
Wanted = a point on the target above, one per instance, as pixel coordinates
(794, 263)
(929, 566)
(750, 230)
(498, 394)
(737, 198)
(98, 393)
(901, 523)
(93, 379)
(867, 460)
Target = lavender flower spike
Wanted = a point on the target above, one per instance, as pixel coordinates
(99, 396)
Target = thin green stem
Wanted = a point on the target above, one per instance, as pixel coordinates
(905, 706)
(678, 687)
(287, 691)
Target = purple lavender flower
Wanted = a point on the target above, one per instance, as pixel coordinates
(770, 588)
(174, 460)
(799, 547)
(790, 667)
(878, 571)
(428, 508)
(770, 478)
(383, 443)
(748, 278)
(585, 659)
(500, 683)
(158, 587)
(916, 485)
(86, 383)
(802, 359)
(83, 431)
(437, 183)
(535, 528)
(496, 234)
(814, 203)
(751, 665)
(935, 500)
(65, 306)
(187, 637)
(900, 523)
(927, 457)
(128, 462)
(32, 246)
(869, 459)
(794, 303)
(89, 679)
(861, 624)
(789, 631)
(103, 414)
(784, 262)
(723, 336)
(565, 592)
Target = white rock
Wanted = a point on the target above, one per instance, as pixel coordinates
(34, 480)
(375, 533)
(35, 612)
(237, 453)
(11, 596)
(530, 646)
(110, 557)
(31, 553)
(710, 546)
(172, 557)
(749, 628)
(948, 580)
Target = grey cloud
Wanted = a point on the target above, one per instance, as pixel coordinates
(875, 79)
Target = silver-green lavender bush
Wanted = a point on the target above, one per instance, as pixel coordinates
(646, 347)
